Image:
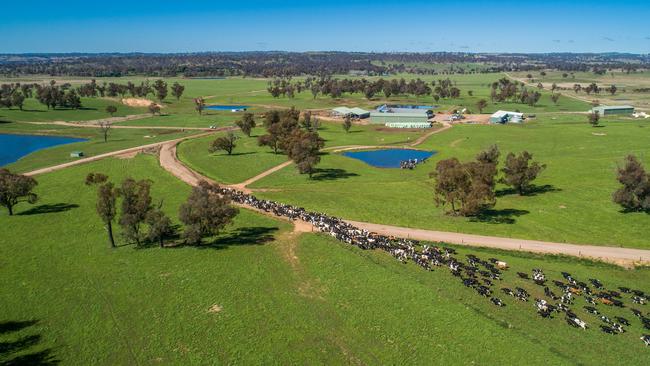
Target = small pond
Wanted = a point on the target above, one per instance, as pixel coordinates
(388, 158)
(234, 108)
(14, 147)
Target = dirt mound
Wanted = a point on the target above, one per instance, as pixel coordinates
(138, 102)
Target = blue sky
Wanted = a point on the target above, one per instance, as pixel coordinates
(408, 25)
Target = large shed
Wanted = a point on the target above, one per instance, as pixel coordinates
(352, 112)
(605, 110)
(403, 120)
(506, 116)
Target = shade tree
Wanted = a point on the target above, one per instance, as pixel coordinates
(16, 188)
(205, 213)
(520, 171)
(634, 193)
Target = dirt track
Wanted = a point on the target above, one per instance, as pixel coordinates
(621, 256)
(170, 162)
(112, 153)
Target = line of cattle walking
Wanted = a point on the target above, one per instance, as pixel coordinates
(476, 273)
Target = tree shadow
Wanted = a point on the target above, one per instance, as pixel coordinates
(9, 349)
(49, 208)
(533, 191)
(242, 153)
(332, 174)
(504, 216)
(14, 326)
(256, 235)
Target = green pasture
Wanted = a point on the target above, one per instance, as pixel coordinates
(257, 295)
(573, 203)
(93, 108)
(248, 159)
(118, 139)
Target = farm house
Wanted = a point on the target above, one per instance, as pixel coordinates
(401, 120)
(605, 110)
(506, 116)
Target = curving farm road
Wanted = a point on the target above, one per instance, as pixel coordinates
(621, 256)
(169, 161)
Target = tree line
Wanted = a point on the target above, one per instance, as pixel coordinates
(204, 213)
(335, 88)
(282, 64)
(54, 95)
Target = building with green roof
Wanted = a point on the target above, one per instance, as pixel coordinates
(605, 110)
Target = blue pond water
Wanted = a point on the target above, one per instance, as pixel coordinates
(388, 158)
(227, 107)
(14, 147)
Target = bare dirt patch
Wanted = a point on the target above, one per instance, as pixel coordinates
(139, 102)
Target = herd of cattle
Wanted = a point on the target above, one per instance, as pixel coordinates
(480, 275)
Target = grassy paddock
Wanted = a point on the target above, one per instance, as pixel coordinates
(249, 159)
(331, 304)
(118, 139)
(573, 203)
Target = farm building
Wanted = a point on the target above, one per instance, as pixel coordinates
(605, 110)
(352, 112)
(416, 109)
(401, 120)
(506, 116)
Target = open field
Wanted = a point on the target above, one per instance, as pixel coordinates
(93, 108)
(118, 139)
(280, 298)
(624, 82)
(574, 204)
(252, 92)
(356, 191)
(249, 159)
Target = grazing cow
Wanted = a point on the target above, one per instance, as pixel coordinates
(636, 313)
(646, 339)
(521, 294)
(590, 300)
(607, 329)
(523, 275)
(616, 294)
(591, 309)
(559, 284)
(639, 300)
(550, 294)
(507, 291)
(562, 307)
(502, 265)
(618, 328)
(538, 276)
(496, 301)
(597, 284)
(575, 291)
(606, 301)
(484, 291)
(576, 322)
(605, 319)
(622, 320)
(624, 290)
